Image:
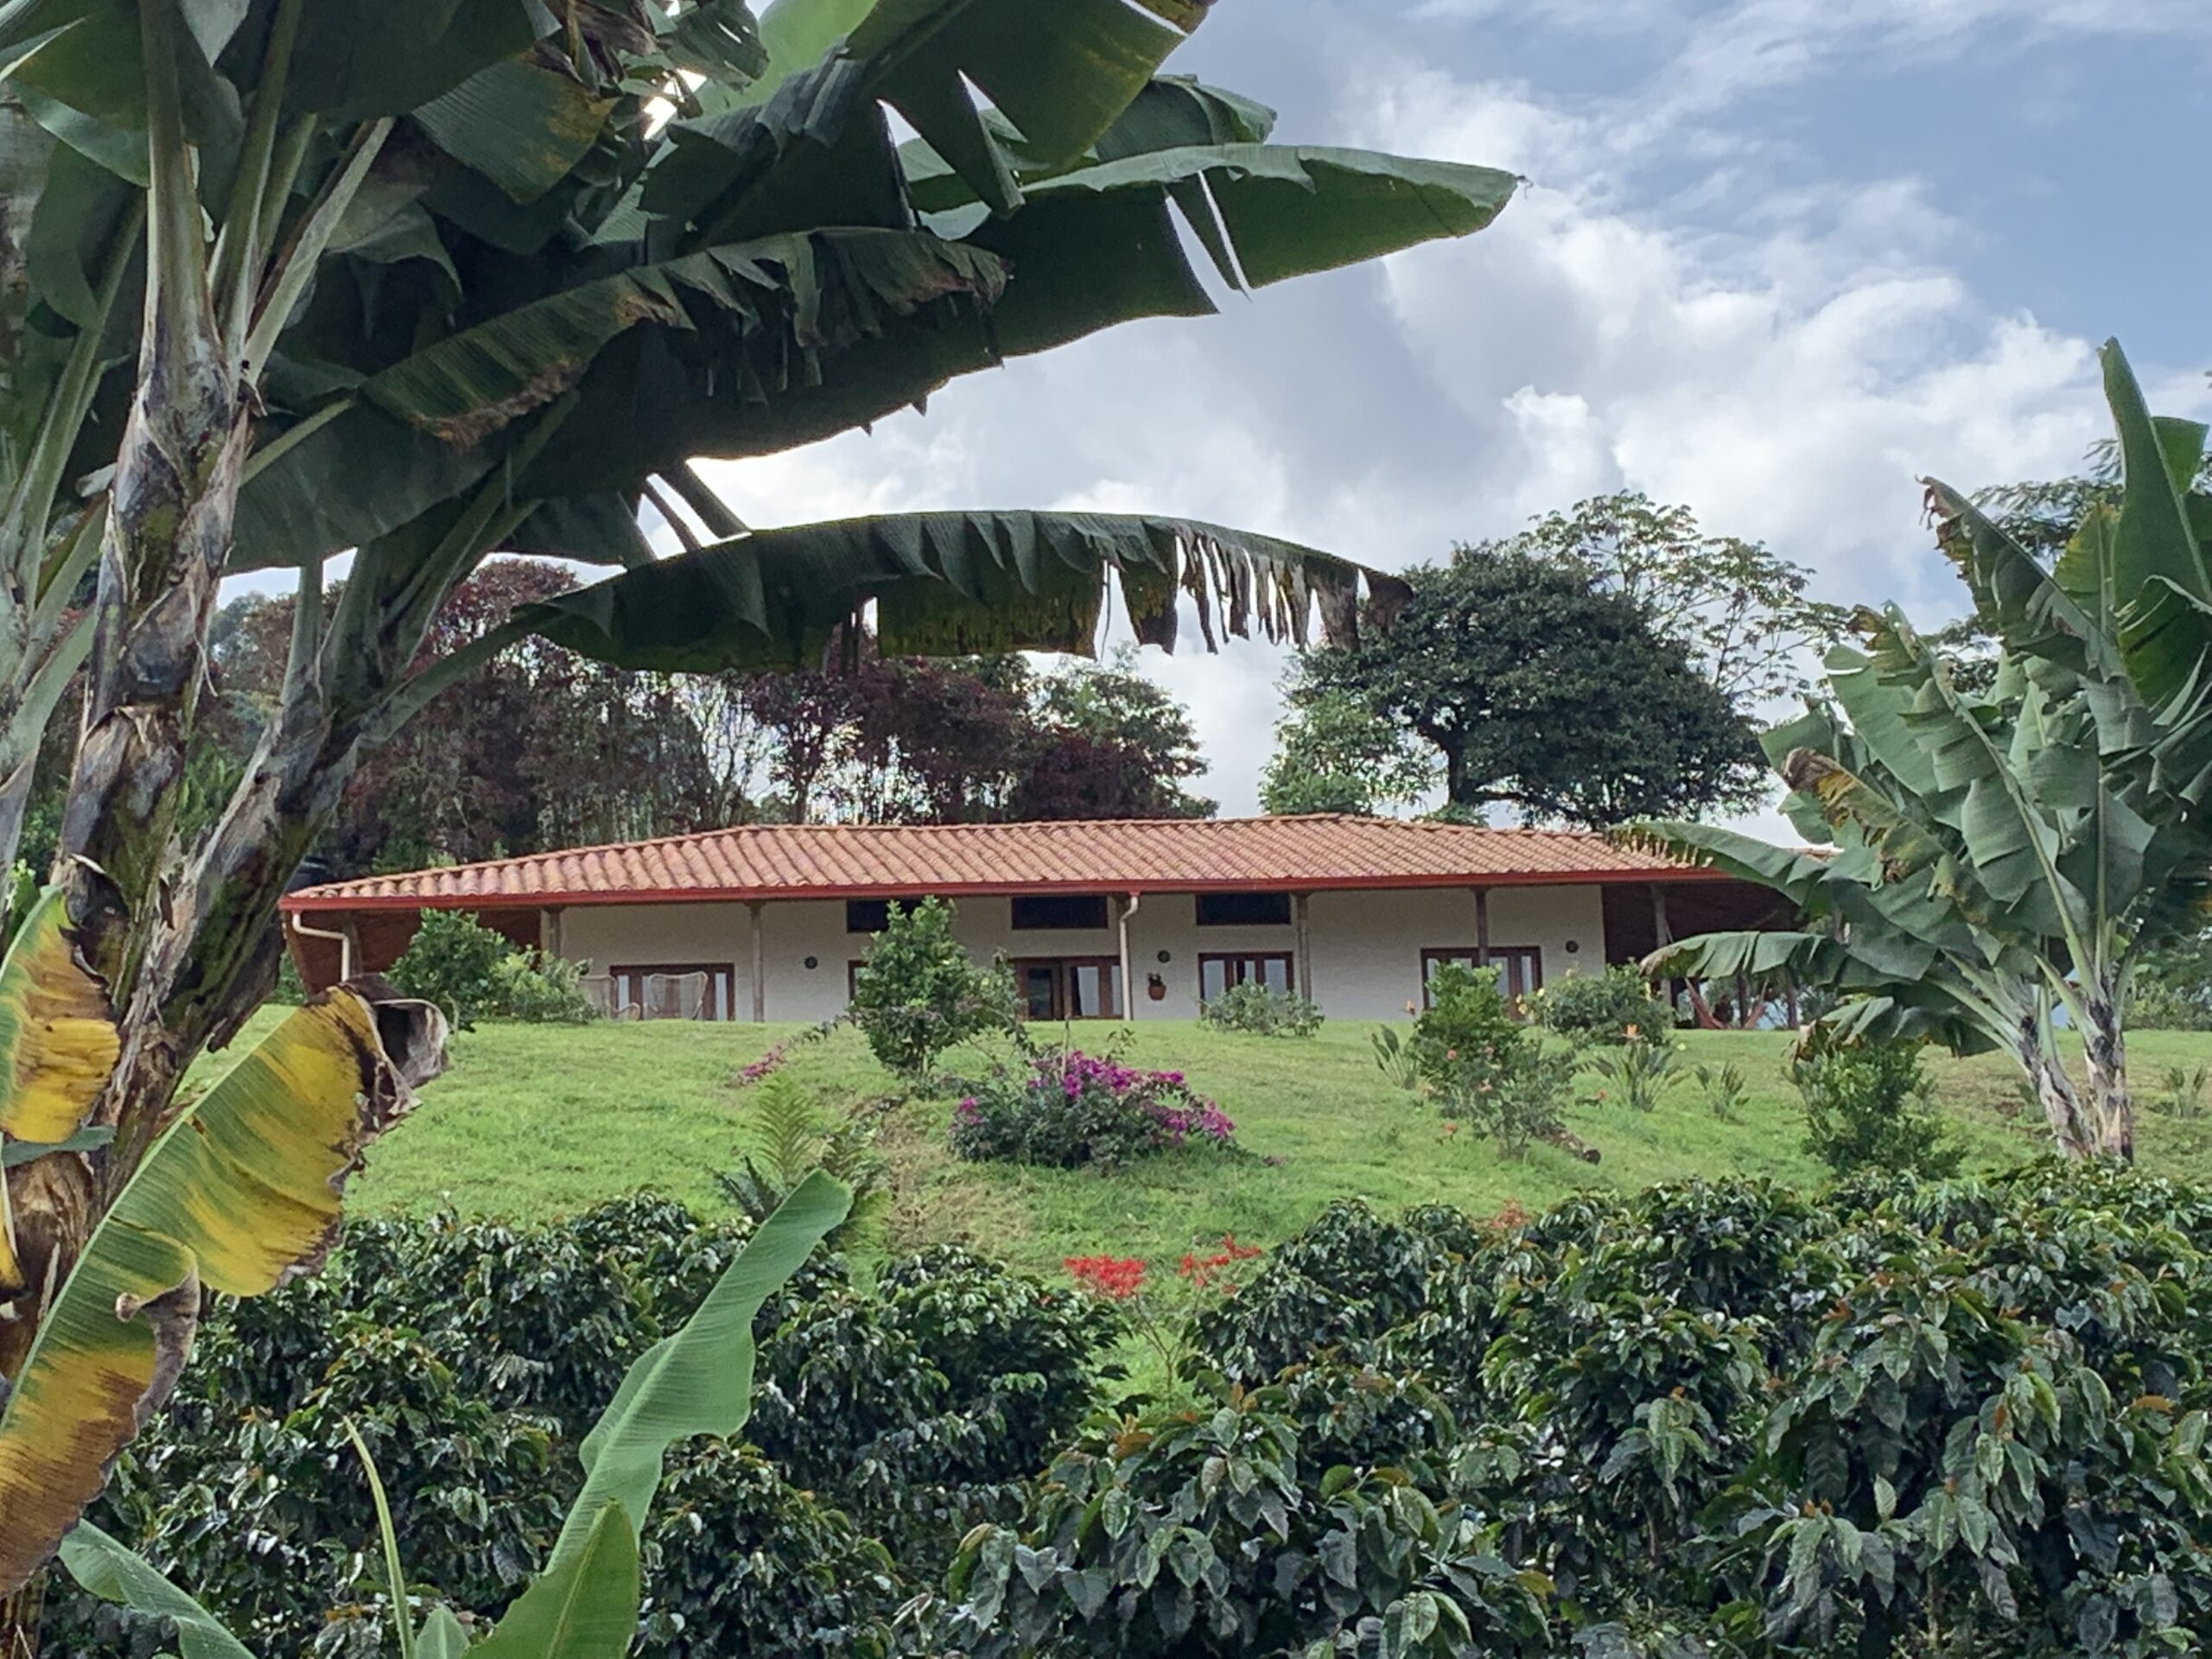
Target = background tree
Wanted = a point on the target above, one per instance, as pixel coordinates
(1333, 754)
(1545, 692)
(1107, 743)
(1743, 613)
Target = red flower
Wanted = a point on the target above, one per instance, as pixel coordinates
(1117, 1278)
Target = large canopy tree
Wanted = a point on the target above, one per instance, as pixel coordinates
(1543, 691)
(1999, 850)
(281, 279)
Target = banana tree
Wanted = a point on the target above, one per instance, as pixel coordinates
(430, 279)
(1990, 866)
(2124, 618)
(584, 1604)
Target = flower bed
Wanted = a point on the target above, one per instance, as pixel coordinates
(1067, 1108)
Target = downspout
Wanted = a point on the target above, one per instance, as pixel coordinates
(344, 942)
(1129, 907)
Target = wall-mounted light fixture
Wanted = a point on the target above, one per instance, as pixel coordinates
(1167, 955)
(813, 963)
(1573, 946)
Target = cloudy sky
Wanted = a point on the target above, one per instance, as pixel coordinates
(1776, 258)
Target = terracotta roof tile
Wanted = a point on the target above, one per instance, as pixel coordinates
(1122, 855)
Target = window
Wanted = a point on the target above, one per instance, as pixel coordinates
(1243, 910)
(692, 990)
(1219, 971)
(1519, 967)
(1059, 910)
(873, 915)
(1068, 988)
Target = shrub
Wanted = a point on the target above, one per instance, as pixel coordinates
(1067, 1108)
(475, 973)
(1161, 1310)
(1466, 1015)
(1723, 1090)
(1482, 1065)
(1200, 1533)
(919, 993)
(1638, 1073)
(1516, 1094)
(1601, 1007)
(1262, 1011)
(1870, 1106)
(476, 1355)
(1911, 1418)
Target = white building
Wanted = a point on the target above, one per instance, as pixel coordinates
(768, 922)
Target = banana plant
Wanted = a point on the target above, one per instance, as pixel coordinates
(1992, 864)
(2000, 857)
(583, 1605)
(2124, 618)
(424, 280)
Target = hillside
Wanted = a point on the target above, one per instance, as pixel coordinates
(536, 1120)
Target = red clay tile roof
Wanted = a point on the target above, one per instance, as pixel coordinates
(1120, 855)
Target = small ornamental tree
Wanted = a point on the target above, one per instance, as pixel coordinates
(919, 992)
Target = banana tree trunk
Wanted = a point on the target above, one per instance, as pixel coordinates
(168, 532)
(2110, 1111)
(2061, 1106)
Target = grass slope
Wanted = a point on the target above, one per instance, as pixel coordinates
(535, 1120)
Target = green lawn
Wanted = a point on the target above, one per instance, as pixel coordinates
(536, 1120)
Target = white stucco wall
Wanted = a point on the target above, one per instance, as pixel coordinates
(1366, 947)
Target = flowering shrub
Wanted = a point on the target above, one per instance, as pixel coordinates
(1117, 1278)
(1163, 1317)
(1606, 1008)
(1069, 1108)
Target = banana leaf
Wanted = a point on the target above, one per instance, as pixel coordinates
(240, 1195)
(951, 583)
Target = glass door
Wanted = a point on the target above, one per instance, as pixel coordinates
(1068, 988)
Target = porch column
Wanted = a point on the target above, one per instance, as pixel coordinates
(549, 932)
(1482, 927)
(753, 908)
(1126, 908)
(1304, 957)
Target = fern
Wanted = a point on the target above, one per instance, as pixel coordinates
(790, 1138)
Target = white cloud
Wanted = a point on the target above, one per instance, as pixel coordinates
(1787, 365)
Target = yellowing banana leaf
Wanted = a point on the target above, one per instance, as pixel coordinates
(240, 1195)
(57, 1042)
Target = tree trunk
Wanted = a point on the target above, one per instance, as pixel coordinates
(2062, 1107)
(2110, 1111)
(168, 532)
